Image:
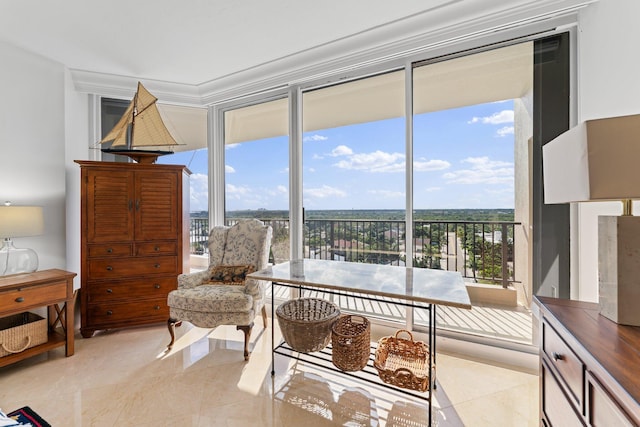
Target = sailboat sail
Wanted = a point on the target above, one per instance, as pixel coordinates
(140, 126)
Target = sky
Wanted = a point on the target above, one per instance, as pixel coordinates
(463, 158)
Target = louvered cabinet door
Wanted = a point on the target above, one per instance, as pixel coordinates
(157, 199)
(109, 206)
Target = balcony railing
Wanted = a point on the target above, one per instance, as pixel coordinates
(482, 251)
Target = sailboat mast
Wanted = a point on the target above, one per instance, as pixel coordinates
(134, 113)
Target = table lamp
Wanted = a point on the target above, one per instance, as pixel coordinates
(19, 221)
(599, 160)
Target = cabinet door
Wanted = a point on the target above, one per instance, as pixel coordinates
(109, 210)
(602, 410)
(156, 205)
(556, 406)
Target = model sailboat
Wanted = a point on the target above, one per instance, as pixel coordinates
(140, 126)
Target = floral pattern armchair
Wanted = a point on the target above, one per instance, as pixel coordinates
(208, 304)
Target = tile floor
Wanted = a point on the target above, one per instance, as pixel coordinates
(124, 378)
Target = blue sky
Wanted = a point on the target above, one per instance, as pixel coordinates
(463, 158)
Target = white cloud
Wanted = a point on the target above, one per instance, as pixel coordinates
(199, 194)
(324, 191)
(229, 169)
(341, 150)
(504, 131)
(378, 161)
(482, 171)
(432, 189)
(282, 189)
(504, 116)
(312, 170)
(423, 165)
(237, 191)
(315, 137)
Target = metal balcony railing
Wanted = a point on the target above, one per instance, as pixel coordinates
(482, 251)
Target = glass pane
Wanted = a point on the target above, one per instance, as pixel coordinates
(472, 124)
(354, 176)
(257, 169)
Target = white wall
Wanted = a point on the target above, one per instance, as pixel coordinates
(608, 85)
(32, 146)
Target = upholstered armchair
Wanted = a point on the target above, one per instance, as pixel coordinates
(222, 295)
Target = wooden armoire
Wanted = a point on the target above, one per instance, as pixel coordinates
(135, 241)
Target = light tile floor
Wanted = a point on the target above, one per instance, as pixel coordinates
(124, 378)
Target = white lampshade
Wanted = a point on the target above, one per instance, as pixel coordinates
(21, 221)
(598, 160)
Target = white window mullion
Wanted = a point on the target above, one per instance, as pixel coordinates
(296, 217)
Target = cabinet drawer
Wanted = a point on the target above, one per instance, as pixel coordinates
(145, 311)
(153, 287)
(110, 250)
(32, 296)
(602, 410)
(570, 369)
(555, 405)
(156, 248)
(131, 267)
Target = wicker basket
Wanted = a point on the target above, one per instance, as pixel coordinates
(351, 342)
(22, 331)
(403, 362)
(305, 323)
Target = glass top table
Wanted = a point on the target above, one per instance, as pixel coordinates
(411, 284)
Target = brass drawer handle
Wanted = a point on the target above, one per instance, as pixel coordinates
(557, 356)
(110, 250)
(157, 265)
(156, 249)
(109, 291)
(109, 312)
(20, 299)
(109, 268)
(157, 307)
(157, 286)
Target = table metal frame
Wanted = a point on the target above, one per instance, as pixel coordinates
(369, 373)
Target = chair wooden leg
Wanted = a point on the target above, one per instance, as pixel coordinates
(171, 324)
(247, 335)
(264, 316)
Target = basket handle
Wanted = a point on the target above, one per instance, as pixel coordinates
(404, 371)
(405, 331)
(4, 347)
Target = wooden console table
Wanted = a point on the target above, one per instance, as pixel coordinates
(589, 367)
(51, 288)
(409, 287)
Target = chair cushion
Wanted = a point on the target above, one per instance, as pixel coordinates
(211, 298)
(229, 274)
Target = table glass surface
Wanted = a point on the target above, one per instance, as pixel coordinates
(412, 284)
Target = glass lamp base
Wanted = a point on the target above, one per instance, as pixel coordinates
(16, 260)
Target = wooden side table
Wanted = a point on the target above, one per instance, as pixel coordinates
(51, 288)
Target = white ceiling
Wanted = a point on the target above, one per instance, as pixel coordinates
(204, 46)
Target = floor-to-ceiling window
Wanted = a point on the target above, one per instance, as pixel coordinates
(256, 165)
(471, 115)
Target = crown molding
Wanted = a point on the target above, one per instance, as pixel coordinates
(436, 33)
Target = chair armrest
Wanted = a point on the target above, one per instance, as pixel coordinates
(191, 280)
(255, 288)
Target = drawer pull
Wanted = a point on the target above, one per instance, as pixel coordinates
(109, 291)
(110, 250)
(109, 268)
(157, 286)
(109, 312)
(20, 299)
(557, 356)
(157, 307)
(157, 265)
(156, 249)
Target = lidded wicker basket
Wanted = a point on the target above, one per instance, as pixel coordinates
(305, 323)
(351, 342)
(403, 362)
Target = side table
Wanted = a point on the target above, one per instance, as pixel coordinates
(51, 288)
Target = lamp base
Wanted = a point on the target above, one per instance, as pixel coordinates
(16, 260)
(619, 268)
